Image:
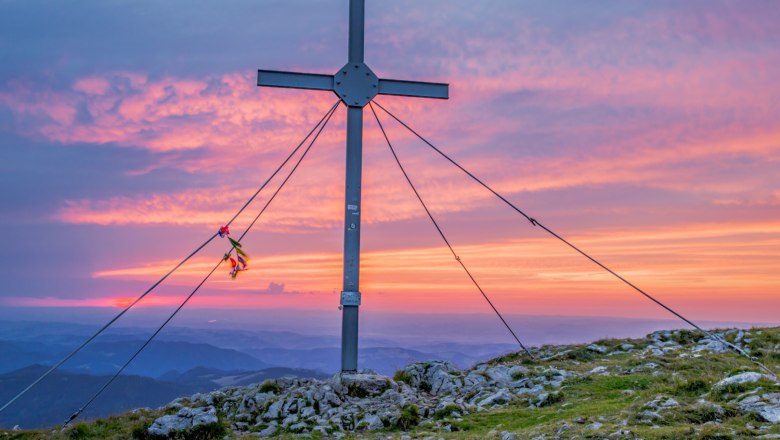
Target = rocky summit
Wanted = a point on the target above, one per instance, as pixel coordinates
(671, 384)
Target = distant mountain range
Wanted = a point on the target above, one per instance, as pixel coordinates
(208, 379)
(158, 358)
(58, 396)
(25, 343)
(383, 360)
(53, 400)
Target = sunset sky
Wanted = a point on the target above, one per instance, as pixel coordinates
(647, 133)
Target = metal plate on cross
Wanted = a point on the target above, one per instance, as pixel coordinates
(355, 84)
(350, 298)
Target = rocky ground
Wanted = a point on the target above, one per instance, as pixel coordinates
(671, 384)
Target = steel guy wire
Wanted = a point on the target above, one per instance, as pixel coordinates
(535, 222)
(174, 269)
(441, 233)
(195, 290)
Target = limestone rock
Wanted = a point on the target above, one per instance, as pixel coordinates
(766, 405)
(372, 422)
(186, 418)
(746, 377)
(438, 377)
(595, 426)
(711, 345)
(499, 374)
(500, 397)
(364, 384)
(661, 403)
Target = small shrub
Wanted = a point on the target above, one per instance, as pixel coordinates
(79, 431)
(446, 411)
(712, 432)
(580, 354)
(354, 390)
(509, 357)
(204, 432)
(552, 399)
(684, 337)
(692, 387)
(701, 414)
(410, 416)
(517, 375)
(270, 386)
(578, 380)
(140, 433)
(403, 376)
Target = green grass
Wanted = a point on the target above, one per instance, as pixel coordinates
(410, 417)
(402, 376)
(618, 398)
(270, 386)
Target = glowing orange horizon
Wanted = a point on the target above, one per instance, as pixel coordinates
(516, 274)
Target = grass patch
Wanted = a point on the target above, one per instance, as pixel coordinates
(410, 417)
(581, 354)
(729, 391)
(685, 337)
(403, 376)
(270, 386)
(692, 387)
(553, 398)
(700, 414)
(354, 390)
(132, 425)
(608, 384)
(447, 411)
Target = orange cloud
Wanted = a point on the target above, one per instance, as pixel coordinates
(721, 263)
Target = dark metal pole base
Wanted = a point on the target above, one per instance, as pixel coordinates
(349, 339)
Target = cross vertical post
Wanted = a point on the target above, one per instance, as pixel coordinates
(352, 199)
(356, 85)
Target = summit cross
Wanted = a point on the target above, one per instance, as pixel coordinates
(356, 85)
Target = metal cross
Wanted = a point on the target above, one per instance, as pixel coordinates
(356, 85)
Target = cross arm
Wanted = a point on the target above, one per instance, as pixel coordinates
(294, 80)
(414, 88)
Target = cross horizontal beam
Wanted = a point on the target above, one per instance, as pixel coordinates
(294, 80)
(317, 81)
(414, 88)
